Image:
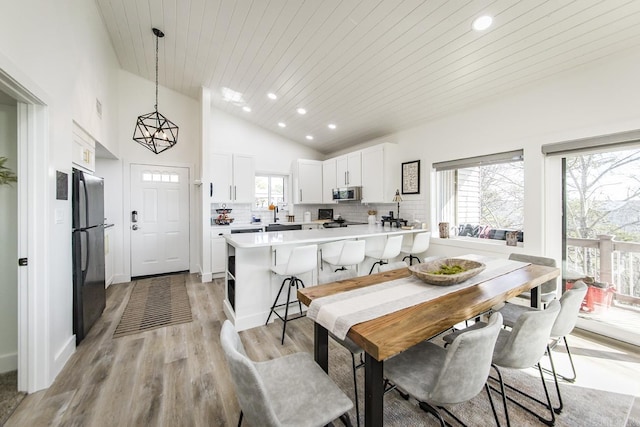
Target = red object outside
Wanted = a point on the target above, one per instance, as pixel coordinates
(597, 300)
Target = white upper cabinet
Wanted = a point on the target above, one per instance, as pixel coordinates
(380, 173)
(328, 180)
(84, 150)
(244, 178)
(307, 181)
(233, 178)
(349, 170)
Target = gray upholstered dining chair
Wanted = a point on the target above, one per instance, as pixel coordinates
(565, 322)
(289, 391)
(548, 290)
(436, 376)
(520, 348)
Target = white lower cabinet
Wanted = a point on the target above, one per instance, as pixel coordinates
(218, 252)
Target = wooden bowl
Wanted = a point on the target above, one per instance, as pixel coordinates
(427, 271)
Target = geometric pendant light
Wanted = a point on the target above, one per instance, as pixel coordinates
(153, 130)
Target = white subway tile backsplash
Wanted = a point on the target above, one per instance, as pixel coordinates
(412, 211)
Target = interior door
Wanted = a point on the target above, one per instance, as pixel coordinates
(159, 219)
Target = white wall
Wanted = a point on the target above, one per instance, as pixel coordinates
(62, 48)
(273, 152)
(137, 97)
(8, 245)
(598, 99)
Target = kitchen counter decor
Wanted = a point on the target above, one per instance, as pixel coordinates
(447, 271)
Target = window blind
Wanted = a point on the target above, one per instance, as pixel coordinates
(490, 159)
(593, 143)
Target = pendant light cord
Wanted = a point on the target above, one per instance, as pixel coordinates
(156, 106)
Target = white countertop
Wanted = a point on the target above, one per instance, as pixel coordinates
(276, 238)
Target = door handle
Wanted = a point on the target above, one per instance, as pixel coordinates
(211, 189)
(134, 227)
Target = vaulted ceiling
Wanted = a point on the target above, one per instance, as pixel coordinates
(371, 67)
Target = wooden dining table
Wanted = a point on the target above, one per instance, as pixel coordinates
(388, 335)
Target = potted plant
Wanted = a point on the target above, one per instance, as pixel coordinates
(6, 175)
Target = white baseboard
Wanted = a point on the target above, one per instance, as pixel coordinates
(8, 362)
(206, 277)
(120, 278)
(62, 356)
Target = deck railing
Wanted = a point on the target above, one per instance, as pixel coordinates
(608, 261)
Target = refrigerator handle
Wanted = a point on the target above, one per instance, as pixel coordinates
(83, 211)
(84, 251)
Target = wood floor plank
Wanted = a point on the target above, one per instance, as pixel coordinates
(116, 397)
(178, 376)
(176, 402)
(149, 382)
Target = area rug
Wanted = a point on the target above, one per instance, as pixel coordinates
(584, 407)
(154, 303)
(10, 397)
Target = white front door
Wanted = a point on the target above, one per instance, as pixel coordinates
(159, 219)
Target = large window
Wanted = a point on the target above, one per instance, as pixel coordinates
(270, 189)
(482, 197)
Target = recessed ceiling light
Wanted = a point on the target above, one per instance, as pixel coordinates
(481, 23)
(282, 125)
(272, 95)
(309, 137)
(247, 109)
(231, 95)
(331, 126)
(301, 111)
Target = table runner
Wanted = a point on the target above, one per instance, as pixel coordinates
(339, 312)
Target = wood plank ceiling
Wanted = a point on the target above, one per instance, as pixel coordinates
(371, 67)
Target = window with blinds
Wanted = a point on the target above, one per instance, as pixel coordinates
(482, 197)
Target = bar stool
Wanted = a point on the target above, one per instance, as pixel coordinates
(343, 253)
(420, 244)
(303, 259)
(391, 249)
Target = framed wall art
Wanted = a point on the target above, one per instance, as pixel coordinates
(411, 177)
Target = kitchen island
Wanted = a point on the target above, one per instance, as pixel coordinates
(250, 284)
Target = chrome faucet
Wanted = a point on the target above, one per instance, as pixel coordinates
(275, 211)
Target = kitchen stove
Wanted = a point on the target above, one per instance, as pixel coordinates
(341, 223)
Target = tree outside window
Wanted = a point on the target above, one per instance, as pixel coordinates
(269, 189)
(482, 197)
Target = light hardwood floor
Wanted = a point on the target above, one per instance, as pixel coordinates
(177, 376)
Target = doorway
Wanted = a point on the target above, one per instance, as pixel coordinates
(8, 248)
(601, 235)
(34, 369)
(159, 219)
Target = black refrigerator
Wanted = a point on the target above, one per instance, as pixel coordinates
(89, 296)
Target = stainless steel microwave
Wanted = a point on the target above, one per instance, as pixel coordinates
(347, 193)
